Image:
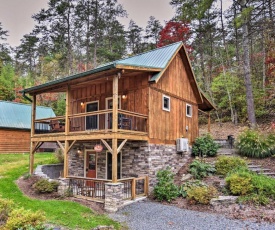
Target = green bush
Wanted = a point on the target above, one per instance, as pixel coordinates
(189, 184)
(201, 194)
(255, 188)
(225, 164)
(205, 146)
(45, 186)
(5, 208)
(25, 219)
(252, 143)
(165, 188)
(200, 169)
(59, 155)
(239, 183)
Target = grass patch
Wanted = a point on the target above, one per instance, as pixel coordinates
(69, 214)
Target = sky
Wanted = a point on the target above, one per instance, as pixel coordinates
(15, 15)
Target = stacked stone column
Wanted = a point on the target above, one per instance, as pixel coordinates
(113, 196)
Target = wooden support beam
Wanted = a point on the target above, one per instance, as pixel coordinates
(114, 160)
(121, 145)
(33, 116)
(134, 188)
(209, 122)
(71, 145)
(37, 146)
(66, 159)
(115, 103)
(67, 120)
(61, 146)
(107, 146)
(31, 158)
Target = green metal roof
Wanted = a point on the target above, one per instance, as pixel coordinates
(18, 116)
(157, 58)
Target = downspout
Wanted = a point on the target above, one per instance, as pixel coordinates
(27, 98)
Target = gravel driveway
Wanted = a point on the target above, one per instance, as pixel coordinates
(147, 215)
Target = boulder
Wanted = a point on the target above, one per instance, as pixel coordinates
(186, 177)
(223, 200)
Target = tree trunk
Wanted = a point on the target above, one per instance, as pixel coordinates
(247, 74)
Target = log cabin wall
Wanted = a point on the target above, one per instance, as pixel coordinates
(172, 125)
(14, 141)
(135, 87)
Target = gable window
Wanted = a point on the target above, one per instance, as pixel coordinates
(188, 110)
(166, 103)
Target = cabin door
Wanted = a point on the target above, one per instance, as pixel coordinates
(109, 117)
(91, 164)
(92, 121)
(109, 166)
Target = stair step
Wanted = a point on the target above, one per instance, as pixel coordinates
(254, 166)
(268, 173)
(259, 170)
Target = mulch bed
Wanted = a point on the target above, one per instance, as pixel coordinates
(235, 211)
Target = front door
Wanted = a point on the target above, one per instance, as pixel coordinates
(109, 166)
(91, 164)
(92, 121)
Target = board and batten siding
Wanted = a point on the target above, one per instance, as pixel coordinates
(14, 141)
(135, 87)
(165, 127)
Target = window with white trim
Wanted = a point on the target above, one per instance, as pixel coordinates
(165, 103)
(188, 110)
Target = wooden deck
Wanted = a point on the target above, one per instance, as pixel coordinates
(131, 126)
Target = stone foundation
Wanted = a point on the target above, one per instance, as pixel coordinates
(139, 158)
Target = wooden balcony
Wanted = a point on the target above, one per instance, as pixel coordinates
(92, 125)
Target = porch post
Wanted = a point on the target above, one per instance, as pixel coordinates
(32, 147)
(67, 120)
(209, 122)
(115, 124)
(66, 158)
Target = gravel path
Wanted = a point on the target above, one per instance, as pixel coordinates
(147, 215)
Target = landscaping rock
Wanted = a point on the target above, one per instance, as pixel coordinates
(186, 177)
(223, 200)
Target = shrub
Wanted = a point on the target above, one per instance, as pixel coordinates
(201, 194)
(59, 155)
(251, 143)
(189, 184)
(240, 183)
(253, 187)
(165, 188)
(200, 169)
(205, 146)
(45, 186)
(5, 208)
(225, 164)
(25, 219)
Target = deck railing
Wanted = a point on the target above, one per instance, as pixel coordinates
(95, 188)
(93, 121)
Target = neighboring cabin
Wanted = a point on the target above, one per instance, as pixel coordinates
(135, 109)
(15, 127)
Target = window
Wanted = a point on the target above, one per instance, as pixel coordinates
(166, 103)
(188, 110)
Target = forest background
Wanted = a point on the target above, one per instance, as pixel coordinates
(232, 51)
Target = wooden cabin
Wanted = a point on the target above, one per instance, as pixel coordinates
(15, 127)
(122, 121)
